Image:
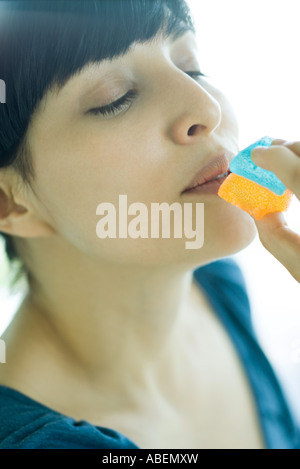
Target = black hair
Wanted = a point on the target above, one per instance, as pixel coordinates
(44, 43)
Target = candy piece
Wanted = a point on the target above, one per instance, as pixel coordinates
(243, 165)
(252, 197)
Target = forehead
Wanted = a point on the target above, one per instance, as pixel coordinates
(108, 68)
(97, 77)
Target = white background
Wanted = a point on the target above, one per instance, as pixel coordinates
(250, 48)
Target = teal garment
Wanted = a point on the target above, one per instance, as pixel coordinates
(226, 290)
(27, 424)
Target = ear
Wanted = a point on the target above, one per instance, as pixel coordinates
(20, 220)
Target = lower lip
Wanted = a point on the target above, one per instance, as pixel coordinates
(211, 187)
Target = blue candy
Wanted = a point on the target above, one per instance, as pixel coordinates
(242, 165)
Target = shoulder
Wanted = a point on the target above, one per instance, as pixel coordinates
(26, 424)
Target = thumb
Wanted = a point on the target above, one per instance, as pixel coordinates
(280, 241)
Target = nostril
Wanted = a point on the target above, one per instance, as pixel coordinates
(192, 130)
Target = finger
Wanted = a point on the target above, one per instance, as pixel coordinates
(294, 146)
(278, 141)
(283, 162)
(280, 241)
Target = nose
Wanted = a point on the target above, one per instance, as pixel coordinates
(198, 113)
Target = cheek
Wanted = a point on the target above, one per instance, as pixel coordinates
(229, 118)
(72, 187)
(228, 227)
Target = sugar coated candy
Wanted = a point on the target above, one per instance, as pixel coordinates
(252, 197)
(242, 165)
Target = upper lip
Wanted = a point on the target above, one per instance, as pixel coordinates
(214, 168)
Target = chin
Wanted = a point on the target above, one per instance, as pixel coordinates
(228, 230)
(231, 230)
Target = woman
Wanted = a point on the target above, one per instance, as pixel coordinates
(127, 342)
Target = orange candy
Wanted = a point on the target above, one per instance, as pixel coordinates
(252, 197)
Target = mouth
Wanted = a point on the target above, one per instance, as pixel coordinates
(211, 176)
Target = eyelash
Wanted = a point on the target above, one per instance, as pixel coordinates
(117, 106)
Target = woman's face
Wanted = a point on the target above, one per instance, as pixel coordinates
(149, 147)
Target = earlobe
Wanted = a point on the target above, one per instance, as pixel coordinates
(25, 225)
(17, 220)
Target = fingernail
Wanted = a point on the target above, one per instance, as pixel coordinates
(278, 141)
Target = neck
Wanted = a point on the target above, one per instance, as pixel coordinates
(112, 321)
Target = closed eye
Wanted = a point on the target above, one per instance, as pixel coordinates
(115, 107)
(122, 103)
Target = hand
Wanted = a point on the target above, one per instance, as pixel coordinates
(283, 159)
